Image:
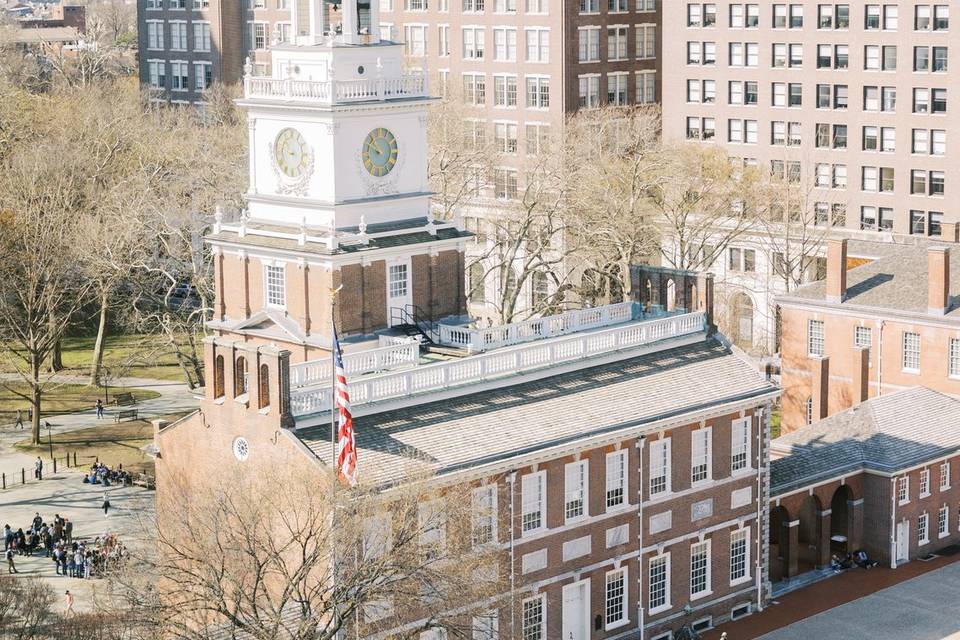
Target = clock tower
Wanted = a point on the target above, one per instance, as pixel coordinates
(338, 195)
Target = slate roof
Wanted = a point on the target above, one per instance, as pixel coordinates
(492, 426)
(895, 280)
(885, 434)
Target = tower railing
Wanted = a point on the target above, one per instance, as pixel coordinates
(407, 85)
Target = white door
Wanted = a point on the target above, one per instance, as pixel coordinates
(399, 291)
(576, 611)
(903, 541)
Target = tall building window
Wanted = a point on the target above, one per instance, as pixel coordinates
(575, 490)
(505, 136)
(943, 522)
(397, 281)
(646, 41)
(504, 44)
(532, 499)
(179, 75)
(589, 89)
(616, 480)
(538, 137)
(701, 455)
(589, 6)
(158, 73)
(923, 529)
(473, 43)
(617, 42)
(660, 467)
(815, 338)
(944, 476)
(954, 357)
(699, 569)
(477, 284)
(588, 44)
(485, 514)
(646, 87)
(862, 336)
(276, 285)
(505, 183)
(740, 444)
(924, 483)
(533, 619)
(505, 91)
(415, 40)
(155, 38)
(617, 88)
(474, 89)
(739, 556)
(201, 36)
(659, 583)
(202, 75)
(258, 31)
(538, 92)
(473, 6)
(615, 598)
(911, 351)
(443, 40)
(538, 45)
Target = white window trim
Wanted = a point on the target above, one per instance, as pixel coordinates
(747, 577)
(666, 606)
(542, 479)
(584, 464)
(709, 566)
(625, 609)
(624, 457)
(747, 468)
(267, 264)
(709, 478)
(906, 481)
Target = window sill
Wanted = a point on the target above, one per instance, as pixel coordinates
(923, 543)
(620, 508)
(912, 372)
(740, 581)
(660, 609)
(944, 535)
(616, 625)
(700, 596)
(924, 495)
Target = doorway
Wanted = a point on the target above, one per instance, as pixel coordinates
(399, 291)
(576, 611)
(903, 542)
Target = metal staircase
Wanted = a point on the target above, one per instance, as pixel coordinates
(412, 322)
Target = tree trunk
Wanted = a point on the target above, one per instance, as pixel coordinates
(56, 357)
(35, 400)
(101, 334)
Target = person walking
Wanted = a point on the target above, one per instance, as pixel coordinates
(68, 602)
(99, 408)
(11, 567)
(19, 419)
(38, 468)
(106, 504)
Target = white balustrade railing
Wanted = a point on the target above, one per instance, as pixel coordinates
(498, 364)
(535, 329)
(356, 363)
(406, 85)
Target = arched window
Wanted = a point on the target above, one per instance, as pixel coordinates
(671, 295)
(478, 293)
(240, 377)
(218, 377)
(264, 399)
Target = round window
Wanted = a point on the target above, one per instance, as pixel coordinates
(241, 449)
(360, 69)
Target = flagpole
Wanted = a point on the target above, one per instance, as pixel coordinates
(334, 345)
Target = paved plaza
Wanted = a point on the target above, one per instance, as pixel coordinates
(924, 608)
(65, 493)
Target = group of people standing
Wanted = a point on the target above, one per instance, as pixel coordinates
(73, 558)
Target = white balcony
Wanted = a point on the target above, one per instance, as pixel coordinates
(408, 85)
(313, 372)
(500, 364)
(535, 329)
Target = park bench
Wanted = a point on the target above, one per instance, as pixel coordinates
(126, 413)
(124, 399)
(145, 481)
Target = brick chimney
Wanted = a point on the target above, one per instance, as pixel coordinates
(836, 270)
(938, 280)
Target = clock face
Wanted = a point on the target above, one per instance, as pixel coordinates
(291, 153)
(379, 152)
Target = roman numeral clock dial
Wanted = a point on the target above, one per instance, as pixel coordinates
(379, 152)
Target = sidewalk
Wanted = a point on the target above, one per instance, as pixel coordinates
(175, 397)
(822, 596)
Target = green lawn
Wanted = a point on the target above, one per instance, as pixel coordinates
(128, 355)
(60, 398)
(775, 422)
(109, 442)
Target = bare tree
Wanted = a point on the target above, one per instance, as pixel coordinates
(703, 203)
(25, 608)
(40, 267)
(299, 567)
(616, 161)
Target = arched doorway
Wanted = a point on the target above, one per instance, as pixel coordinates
(741, 320)
(809, 534)
(840, 534)
(671, 295)
(779, 539)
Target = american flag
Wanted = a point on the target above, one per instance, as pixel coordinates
(347, 458)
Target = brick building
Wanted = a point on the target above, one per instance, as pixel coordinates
(885, 319)
(878, 477)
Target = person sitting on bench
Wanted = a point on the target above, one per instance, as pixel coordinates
(861, 560)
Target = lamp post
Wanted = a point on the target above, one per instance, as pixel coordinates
(49, 437)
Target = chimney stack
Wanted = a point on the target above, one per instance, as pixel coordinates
(836, 270)
(938, 280)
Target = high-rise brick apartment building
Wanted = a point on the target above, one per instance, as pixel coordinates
(187, 45)
(852, 99)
